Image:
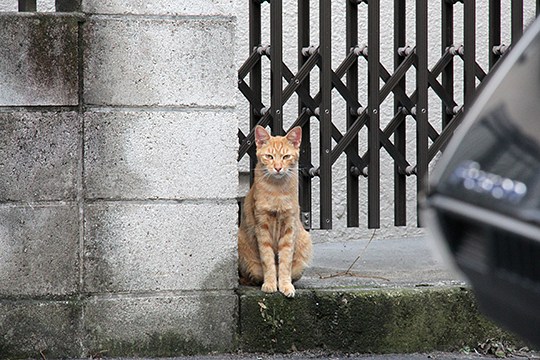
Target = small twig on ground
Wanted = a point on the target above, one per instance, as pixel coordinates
(98, 355)
(348, 271)
(42, 355)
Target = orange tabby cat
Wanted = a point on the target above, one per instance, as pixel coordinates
(273, 247)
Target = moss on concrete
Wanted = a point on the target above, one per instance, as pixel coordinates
(365, 321)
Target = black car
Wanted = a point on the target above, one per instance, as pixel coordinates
(483, 203)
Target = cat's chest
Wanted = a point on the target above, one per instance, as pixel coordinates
(276, 206)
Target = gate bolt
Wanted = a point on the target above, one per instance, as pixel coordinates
(263, 50)
(410, 170)
(459, 50)
(357, 112)
(405, 51)
(309, 50)
(500, 49)
(453, 110)
(360, 50)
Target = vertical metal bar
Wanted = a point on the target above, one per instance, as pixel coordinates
(517, 20)
(494, 30)
(469, 49)
(255, 73)
(422, 102)
(400, 200)
(352, 84)
(325, 112)
(448, 72)
(276, 59)
(27, 5)
(373, 109)
(537, 8)
(305, 148)
(67, 5)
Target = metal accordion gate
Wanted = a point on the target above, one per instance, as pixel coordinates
(410, 108)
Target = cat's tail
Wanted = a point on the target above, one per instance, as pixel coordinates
(246, 281)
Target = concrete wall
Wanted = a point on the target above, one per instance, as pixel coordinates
(119, 179)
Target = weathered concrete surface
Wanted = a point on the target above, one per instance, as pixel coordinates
(31, 327)
(163, 246)
(364, 321)
(8, 6)
(126, 65)
(40, 155)
(38, 60)
(160, 7)
(161, 325)
(166, 155)
(118, 216)
(40, 250)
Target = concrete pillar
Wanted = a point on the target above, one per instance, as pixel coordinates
(160, 176)
(119, 178)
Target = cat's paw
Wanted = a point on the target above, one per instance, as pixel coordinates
(287, 290)
(269, 287)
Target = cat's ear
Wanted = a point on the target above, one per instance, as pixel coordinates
(295, 136)
(261, 136)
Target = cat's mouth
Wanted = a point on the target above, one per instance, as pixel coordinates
(279, 175)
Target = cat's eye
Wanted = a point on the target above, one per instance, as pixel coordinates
(269, 157)
(287, 157)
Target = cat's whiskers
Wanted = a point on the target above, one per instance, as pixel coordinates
(287, 173)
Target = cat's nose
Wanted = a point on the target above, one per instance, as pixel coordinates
(278, 169)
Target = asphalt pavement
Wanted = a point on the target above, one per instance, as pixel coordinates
(329, 356)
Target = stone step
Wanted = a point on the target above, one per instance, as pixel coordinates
(378, 296)
(364, 320)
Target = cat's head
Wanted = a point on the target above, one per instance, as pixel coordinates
(278, 155)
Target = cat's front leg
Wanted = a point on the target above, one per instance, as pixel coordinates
(266, 252)
(285, 256)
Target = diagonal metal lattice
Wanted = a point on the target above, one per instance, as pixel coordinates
(410, 108)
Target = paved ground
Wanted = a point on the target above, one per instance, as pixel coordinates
(408, 262)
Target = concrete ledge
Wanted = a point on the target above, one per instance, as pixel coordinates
(363, 320)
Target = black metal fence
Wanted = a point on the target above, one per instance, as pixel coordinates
(410, 108)
(60, 5)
